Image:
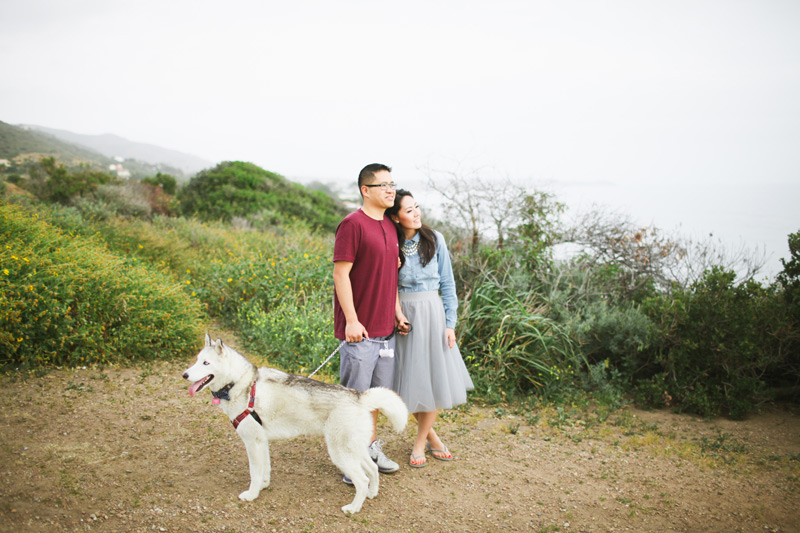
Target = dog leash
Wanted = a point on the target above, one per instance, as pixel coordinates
(341, 343)
(325, 362)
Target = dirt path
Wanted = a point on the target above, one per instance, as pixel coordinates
(127, 449)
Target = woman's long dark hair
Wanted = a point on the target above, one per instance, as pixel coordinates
(427, 237)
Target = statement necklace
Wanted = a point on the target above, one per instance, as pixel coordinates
(410, 248)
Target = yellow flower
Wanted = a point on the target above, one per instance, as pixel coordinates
(140, 246)
(230, 279)
(5, 271)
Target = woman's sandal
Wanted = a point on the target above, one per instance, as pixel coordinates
(446, 455)
(414, 462)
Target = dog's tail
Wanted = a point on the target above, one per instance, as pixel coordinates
(389, 403)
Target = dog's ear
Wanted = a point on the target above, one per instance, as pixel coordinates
(218, 346)
(208, 340)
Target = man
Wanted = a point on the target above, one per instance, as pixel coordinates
(366, 303)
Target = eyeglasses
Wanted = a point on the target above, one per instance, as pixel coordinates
(384, 186)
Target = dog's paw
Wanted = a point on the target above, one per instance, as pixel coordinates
(249, 495)
(351, 509)
(372, 493)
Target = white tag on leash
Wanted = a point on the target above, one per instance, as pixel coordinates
(385, 352)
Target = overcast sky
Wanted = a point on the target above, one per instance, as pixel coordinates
(632, 95)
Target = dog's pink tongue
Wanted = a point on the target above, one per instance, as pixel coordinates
(196, 385)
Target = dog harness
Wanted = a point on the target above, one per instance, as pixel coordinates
(249, 411)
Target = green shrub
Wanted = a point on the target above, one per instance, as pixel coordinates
(617, 336)
(716, 343)
(53, 182)
(511, 346)
(295, 336)
(67, 300)
(237, 189)
(787, 375)
(167, 182)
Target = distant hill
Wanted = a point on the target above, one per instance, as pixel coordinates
(24, 144)
(115, 146)
(18, 140)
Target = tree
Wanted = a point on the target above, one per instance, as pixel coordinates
(498, 208)
(52, 181)
(167, 183)
(627, 257)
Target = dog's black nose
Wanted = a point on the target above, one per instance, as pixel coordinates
(185, 375)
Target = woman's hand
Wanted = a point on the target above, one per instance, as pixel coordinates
(450, 334)
(401, 323)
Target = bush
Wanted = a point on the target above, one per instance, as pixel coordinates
(167, 182)
(787, 376)
(53, 182)
(295, 336)
(716, 343)
(237, 189)
(511, 346)
(617, 336)
(67, 300)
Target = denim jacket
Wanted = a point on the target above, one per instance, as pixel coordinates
(437, 275)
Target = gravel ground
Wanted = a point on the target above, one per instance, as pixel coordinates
(127, 449)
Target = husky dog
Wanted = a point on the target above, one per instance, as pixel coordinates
(264, 404)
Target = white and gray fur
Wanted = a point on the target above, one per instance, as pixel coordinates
(290, 405)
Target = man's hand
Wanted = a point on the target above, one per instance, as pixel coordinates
(355, 332)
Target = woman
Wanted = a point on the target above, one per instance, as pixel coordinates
(429, 372)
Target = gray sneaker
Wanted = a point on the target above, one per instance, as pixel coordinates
(385, 465)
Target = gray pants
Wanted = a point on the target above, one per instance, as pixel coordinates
(362, 367)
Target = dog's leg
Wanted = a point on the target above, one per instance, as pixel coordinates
(371, 469)
(347, 456)
(255, 441)
(356, 464)
(266, 467)
(361, 482)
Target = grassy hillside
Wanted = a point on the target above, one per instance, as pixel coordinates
(67, 299)
(79, 290)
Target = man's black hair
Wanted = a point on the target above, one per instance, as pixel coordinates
(367, 174)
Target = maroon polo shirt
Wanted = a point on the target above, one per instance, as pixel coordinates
(371, 245)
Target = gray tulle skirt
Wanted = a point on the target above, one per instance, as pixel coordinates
(428, 374)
